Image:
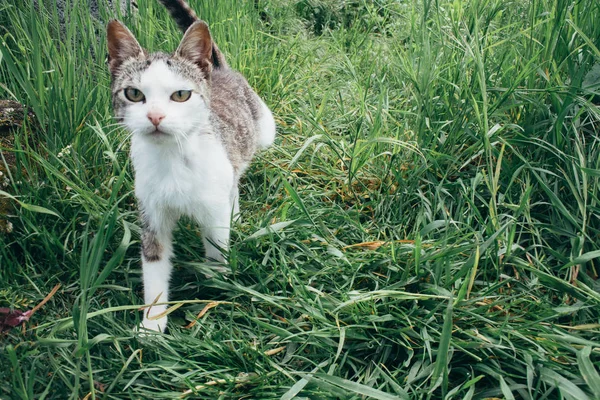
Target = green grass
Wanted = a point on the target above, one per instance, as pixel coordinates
(426, 225)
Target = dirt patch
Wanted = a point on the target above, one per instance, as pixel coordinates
(12, 116)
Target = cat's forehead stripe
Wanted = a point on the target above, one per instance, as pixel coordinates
(133, 70)
(160, 74)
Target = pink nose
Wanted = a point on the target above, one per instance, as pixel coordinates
(155, 117)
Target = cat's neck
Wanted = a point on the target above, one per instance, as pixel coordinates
(173, 176)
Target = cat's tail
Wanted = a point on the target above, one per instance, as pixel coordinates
(266, 126)
(184, 16)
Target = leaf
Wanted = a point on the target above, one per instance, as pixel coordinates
(506, 390)
(299, 385)
(296, 198)
(367, 245)
(441, 359)
(591, 81)
(587, 40)
(583, 259)
(11, 318)
(554, 199)
(567, 388)
(357, 297)
(432, 226)
(270, 229)
(374, 245)
(586, 367)
(555, 283)
(302, 149)
(357, 388)
(590, 171)
(30, 207)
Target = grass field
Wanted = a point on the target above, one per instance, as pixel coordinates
(426, 225)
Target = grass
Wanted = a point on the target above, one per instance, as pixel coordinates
(426, 225)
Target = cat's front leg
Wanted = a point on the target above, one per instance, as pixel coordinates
(157, 250)
(234, 198)
(215, 230)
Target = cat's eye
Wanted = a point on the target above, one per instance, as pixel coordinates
(181, 95)
(133, 94)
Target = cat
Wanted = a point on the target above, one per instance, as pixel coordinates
(195, 125)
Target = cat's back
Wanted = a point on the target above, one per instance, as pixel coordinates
(231, 91)
(238, 114)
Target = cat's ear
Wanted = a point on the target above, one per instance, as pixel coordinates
(196, 46)
(121, 45)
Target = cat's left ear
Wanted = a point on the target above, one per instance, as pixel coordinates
(196, 46)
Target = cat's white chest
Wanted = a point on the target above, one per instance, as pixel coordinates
(184, 179)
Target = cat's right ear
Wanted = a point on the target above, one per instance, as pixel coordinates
(196, 46)
(121, 45)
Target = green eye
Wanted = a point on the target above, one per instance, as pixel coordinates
(181, 95)
(134, 95)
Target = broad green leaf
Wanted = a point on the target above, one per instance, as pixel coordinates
(506, 390)
(589, 373)
(567, 388)
(30, 207)
(357, 388)
(441, 358)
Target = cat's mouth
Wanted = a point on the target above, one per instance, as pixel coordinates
(158, 133)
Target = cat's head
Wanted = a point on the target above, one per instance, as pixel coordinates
(157, 96)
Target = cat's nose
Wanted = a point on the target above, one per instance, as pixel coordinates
(155, 117)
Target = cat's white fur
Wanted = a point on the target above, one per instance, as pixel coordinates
(186, 172)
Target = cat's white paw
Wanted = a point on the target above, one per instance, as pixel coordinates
(150, 324)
